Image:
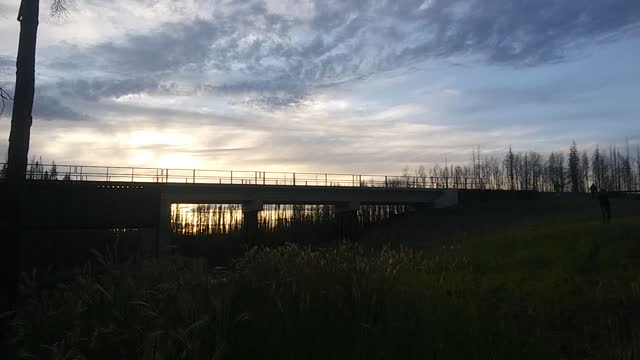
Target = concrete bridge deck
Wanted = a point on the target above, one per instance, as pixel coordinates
(277, 194)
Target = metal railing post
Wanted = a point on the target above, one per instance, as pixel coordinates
(386, 183)
(264, 176)
(166, 175)
(294, 179)
(107, 174)
(132, 172)
(231, 176)
(325, 179)
(255, 175)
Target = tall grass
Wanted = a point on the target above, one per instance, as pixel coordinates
(561, 292)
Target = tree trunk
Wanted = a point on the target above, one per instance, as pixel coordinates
(19, 142)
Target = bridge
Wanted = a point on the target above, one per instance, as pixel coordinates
(117, 197)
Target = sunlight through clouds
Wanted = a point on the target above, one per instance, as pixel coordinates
(324, 85)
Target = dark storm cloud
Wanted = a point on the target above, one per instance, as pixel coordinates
(278, 59)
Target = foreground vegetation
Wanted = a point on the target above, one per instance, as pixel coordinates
(540, 288)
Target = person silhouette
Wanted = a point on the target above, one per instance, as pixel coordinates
(605, 206)
(594, 191)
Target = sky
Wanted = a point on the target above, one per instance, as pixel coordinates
(355, 86)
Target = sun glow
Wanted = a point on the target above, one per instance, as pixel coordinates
(154, 137)
(167, 149)
(178, 161)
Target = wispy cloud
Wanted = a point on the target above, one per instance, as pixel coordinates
(278, 59)
(325, 84)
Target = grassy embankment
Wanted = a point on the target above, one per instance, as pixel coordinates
(510, 282)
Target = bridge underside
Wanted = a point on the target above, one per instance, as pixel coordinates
(273, 194)
(61, 204)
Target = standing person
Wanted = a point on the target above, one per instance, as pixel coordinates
(594, 190)
(605, 206)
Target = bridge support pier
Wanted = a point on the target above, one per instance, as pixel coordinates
(347, 218)
(163, 235)
(250, 220)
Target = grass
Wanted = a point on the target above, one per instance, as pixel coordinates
(543, 287)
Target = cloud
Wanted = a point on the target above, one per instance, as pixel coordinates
(45, 106)
(7, 70)
(6, 62)
(96, 89)
(6, 11)
(51, 108)
(245, 50)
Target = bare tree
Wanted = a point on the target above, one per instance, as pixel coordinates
(510, 166)
(638, 169)
(3, 171)
(574, 168)
(584, 168)
(5, 98)
(536, 171)
(528, 171)
(597, 168)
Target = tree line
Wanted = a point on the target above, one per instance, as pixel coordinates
(37, 170)
(609, 169)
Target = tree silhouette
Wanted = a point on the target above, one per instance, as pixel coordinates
(637, 187)
(574, 168)
(597, 168)
(53, 174)
(612, 170)
(584, 169)
(510, 164)
(21, 120)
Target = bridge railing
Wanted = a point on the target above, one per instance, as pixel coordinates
(196, 176)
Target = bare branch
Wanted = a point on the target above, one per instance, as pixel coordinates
(59, 9)
(4, 95)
